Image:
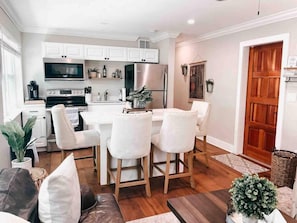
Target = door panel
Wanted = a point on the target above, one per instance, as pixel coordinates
(262, 101)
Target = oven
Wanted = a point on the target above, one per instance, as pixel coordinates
(71, 98)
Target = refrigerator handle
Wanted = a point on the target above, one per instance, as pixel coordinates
(165, 83)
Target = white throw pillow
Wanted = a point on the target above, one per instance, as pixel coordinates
(59, 194)
(8, 217)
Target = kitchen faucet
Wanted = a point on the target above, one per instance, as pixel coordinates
(105, 94)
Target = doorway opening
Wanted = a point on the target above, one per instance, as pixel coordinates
(242, 89)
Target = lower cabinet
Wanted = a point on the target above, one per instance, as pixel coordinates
(39, 129)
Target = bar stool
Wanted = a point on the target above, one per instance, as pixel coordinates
(68, 140)
(175, 137)
(130, 139)
(203, 109)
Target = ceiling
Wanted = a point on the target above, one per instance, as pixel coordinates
(151, 19)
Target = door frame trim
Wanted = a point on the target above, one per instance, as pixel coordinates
(242, 86)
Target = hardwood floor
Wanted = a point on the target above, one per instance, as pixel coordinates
(133, 202)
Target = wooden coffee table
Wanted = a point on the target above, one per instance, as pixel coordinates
(207, 207)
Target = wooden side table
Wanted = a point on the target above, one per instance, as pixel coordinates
(38, 175)
(205, 207)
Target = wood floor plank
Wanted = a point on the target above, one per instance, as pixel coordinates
(133, 201)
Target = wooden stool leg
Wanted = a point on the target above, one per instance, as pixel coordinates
(166, 181)
(118, 179)
(98, 163)
(205, 150)
(152, 161)
(177, 162)
(190, 166)
(146, 178)
(138, 164)
(108, 166)
(63, 154)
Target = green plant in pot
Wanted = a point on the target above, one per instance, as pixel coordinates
(93, 72)
(19, 138)
(253, 197)
(140, 97)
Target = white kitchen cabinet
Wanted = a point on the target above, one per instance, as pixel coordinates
(63, 50)
(107, 53)
(142, 55)
(100, 53)
(39, 129)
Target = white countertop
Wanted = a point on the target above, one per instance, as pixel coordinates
(93, 118)
(116, 102)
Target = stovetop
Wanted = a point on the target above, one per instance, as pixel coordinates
(68, 97)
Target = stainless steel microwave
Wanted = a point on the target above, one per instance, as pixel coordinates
(63, 69)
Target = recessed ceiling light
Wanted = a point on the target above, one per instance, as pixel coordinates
(191, 21)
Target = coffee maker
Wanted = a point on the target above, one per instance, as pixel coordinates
(33, 91)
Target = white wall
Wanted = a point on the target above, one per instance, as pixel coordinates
(222, 56)
(9, 29)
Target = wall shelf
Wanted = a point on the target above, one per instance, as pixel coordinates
(105, 78)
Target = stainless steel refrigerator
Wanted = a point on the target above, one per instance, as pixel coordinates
(153, 76)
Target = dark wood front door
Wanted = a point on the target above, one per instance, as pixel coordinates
(262, 101)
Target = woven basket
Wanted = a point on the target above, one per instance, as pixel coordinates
(283, 168)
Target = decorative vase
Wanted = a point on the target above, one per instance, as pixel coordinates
(92, 74)
(26, 164)
(138, 104)
(249, 219)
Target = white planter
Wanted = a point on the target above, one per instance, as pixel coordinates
(26, 164)
(249, 219)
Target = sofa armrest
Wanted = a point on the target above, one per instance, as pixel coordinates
(106, 211)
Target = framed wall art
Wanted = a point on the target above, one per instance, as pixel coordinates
(196, 83)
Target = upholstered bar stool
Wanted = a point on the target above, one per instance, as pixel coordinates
(203, 109)
(175, 137)
(130, 140)
(68, 140)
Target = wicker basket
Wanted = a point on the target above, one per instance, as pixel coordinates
(283, 168)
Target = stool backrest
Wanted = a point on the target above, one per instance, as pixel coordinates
(131, 135)
(203, 109)
(177, 132)
(64, 132)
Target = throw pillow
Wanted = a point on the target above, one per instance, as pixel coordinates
(7, 217)
(18, 193)
(59, 194)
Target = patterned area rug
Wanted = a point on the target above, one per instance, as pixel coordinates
(240, 164)
(160, 218)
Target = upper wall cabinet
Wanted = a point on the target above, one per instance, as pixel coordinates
(143, 55)
(96, 52)
(107, 53)
(63, 50)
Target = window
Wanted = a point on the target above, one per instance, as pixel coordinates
(11, 77)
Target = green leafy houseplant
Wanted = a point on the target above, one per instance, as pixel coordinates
(93, 70)
(19, 138)
(142, 96)
(253, 196)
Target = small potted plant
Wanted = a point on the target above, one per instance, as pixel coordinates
(93, 72)
(19, 139)
(140, 98)
(253, 196)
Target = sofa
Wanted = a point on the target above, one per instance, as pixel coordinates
(20, 197)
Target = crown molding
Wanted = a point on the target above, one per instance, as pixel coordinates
(10, 14)
(87, 34)
(163, 36)
(266, 20)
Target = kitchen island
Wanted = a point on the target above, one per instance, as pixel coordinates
(102, 121)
